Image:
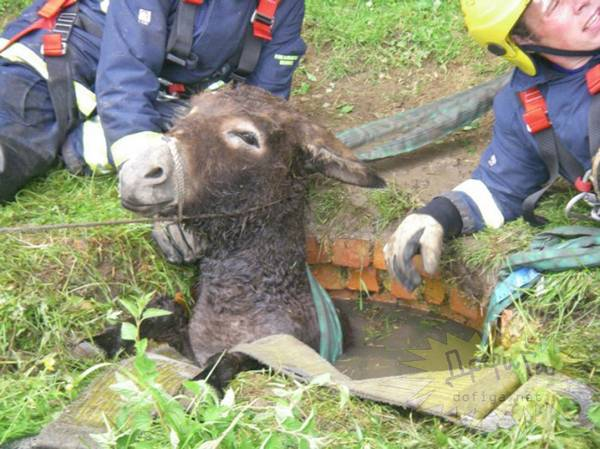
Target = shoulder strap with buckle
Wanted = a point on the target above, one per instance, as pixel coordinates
(48, 14)
(592, 78)
(60, 73)
(181, 38)
(180, 41)
(551, 150)
(262, 22)
(59, 18)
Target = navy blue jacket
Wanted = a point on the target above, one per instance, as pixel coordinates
(511, 168)
(124, 69)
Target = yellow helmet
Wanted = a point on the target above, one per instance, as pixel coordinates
(490, 21)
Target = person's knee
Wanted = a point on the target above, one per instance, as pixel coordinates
(16, 169)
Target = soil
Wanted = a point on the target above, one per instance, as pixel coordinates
(425, 173)
(429, 171)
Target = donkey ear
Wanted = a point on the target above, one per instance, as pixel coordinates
(326, 154)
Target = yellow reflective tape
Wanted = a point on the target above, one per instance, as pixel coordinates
(95, 149)
(104, 6)
(216, 85)
(127, 146)
(21, 54)
(86, 99)
(281, 57)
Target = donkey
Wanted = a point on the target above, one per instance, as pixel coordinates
(243, 157)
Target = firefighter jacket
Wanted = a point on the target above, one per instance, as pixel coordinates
(511, 168)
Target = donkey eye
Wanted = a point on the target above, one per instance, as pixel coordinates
(248, 137)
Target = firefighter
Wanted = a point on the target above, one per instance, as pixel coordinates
(546, 124)
(93, 82)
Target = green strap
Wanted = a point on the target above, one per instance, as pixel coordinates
(329, 323)
(562, 248)
(550, 253)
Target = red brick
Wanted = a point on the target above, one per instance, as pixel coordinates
(383, 297)
(447, 312)
(434, 291)
(368, 276)
(378, 257)
(317, 252)
(329, 276)
(398, 290)
(464, 307)
(343, 294)
(351, 253)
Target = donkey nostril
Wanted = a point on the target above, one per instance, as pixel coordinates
(155, 173)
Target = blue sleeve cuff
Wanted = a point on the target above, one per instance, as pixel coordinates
(472, 221)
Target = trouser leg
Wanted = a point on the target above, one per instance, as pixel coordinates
(29, 136)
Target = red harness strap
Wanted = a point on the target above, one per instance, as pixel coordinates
(592, 78)
(536, 111)
(536, 116)
(48, 14)
(264, 18)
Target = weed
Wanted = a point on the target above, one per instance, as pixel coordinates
(61, 287)
(379, 35)
(11, 7)
(391, 203)
(326, 200)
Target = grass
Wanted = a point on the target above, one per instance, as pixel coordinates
(391, 203)
(11, 7)
(380, 35)
(60, 287)
(563, 310)
(326, 199)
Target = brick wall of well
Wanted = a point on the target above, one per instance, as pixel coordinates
(350, 268)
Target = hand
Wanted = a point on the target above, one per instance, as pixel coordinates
(178, 244)
(596, 172)
(417, 233)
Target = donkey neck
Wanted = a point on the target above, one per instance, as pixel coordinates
(264, 263)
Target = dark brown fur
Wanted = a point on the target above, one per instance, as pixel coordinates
(253, 279)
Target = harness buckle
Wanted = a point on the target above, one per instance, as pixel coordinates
(53, 45)
(262, 18)
(190, 63)
(536, 120)
(583, 185)
(592, 78)
(536, 112)
(262, 25)
(176, 89)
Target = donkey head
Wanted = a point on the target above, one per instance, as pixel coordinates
(236, 148)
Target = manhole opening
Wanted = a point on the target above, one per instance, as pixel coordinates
(390, 340)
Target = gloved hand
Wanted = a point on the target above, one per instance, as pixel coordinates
(418, 233)
(596, 173)
(179, 245)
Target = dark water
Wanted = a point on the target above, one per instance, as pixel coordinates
(390, 340)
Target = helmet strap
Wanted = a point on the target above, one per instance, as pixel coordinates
(558, 52)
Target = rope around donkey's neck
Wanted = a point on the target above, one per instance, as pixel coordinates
(32, 229)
